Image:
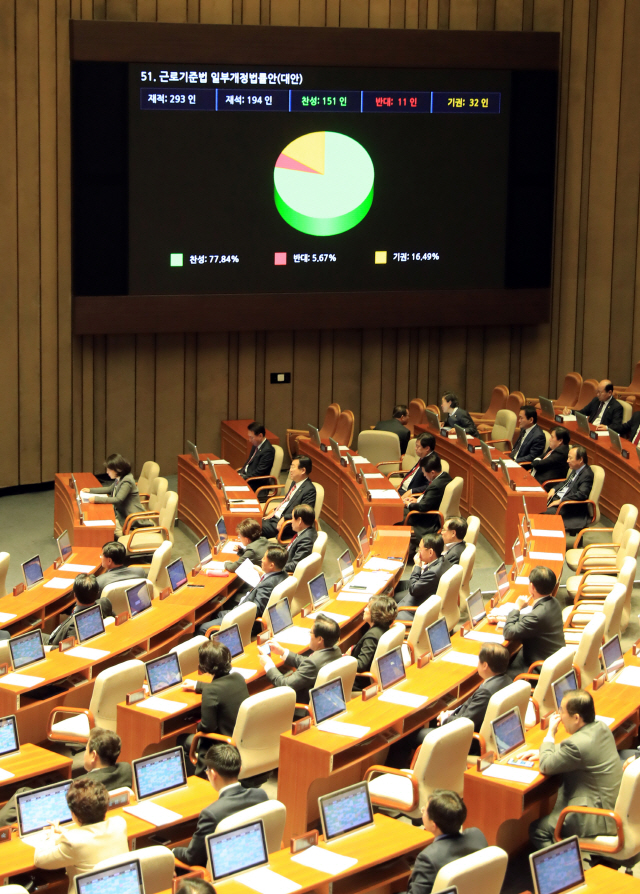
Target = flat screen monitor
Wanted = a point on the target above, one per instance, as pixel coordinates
(432, 419)
(238, 850)
(505, 472)
(32, 572)
(138, 598)
(125, 878)
(163, 672)
(439, 639)
(583, 422)
(177, 574)
(193, 450)
(363, 537)
(345, 565)
(461, 435)
(27, 648)
(526, 513)
(89, 623)
(280, 616)
(203, 548)
(508, 732)
(614, 440)
(328, 700)
(546, 408)
(42, 806)
(612, 656)
(348, 810)
(391, 669)
(213, 470)
(335, 449)
(501, 576)
(372, 524)
(486, 452)
(475, 607)
(75, 485)
(557, 868)
(314, 434)
(159, 773)
(517, 552)
(319, 590)
(365, 483)
(221, 528)
(230, 637)
(352, 464)
(9, 741)
(564, 684)
(64, 546)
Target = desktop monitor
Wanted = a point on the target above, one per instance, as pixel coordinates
(124, 878)
(163, 672)
(612, 656)
(475, 607)
(391, 669)
(9, 741)
(203, 548)
(41, 806)
(345, 811)
(583, 422)
(64, 546)
(372, 524)
(335, 449)
(280, 616)
(32, 572)
(27, 648)
(177, 574)
(363, 537)
(138, 598)
(193, 450)
(230, 637)
(508, 732)
(221, 528)
(461, 435)
(319, 590)
(345, 565)
(327, 700)
(238, 850)
(314, 434)
(557, 868)
(439, 639)
(564, 684)
(546, 408)
(89, 623)
(159, 773)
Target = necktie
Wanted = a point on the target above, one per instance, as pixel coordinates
(295, 537)
(282, 505)
(598, 411)
(636, 439)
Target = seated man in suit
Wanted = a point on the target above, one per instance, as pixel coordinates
(414, 482)
(114, 558)
(577, 487)
(261, 457)
(454, 531)
(453, 414)
(429, 500)
(398, 425)
(302, 490)
(302, 522)
(629, 430)
(554, 462)
(223, 765)
(535, 621)
(604, 411)
(443, 816)
(86, 592)
(428, 568)
(324, 648)
(590, 768)
(531, 441)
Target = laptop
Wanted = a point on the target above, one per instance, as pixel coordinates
(546, 408)
(32, 572)
(583, 422)
(89, 623)
(432, 420)
(177, 574)
(237, 851)
(508, 733)
(501, 576)
(124, 878)
(558, 868)
(352, 465)
(230, 637)
(391, 669)
(138, 598)
(505, 472)
(75, 485)
(526, 513)
(159, 773)
(365, 485)
(26, 649)
(203, 548)
(614, 440)
(327, 701)
(365, 548)
(193, 450)
(319, 590)
(372, 524)
(348, 810)
(486, 452)
(564, 684)
(37, 809)
(518, 554)
(221, 528)
(314, 434)
(612, 656)
(439, 639)
(214, 471)
(282, 626)
(9, 741)
(461, 435)
(163, 672)
(475, 607)
(335, 449)
(64, 546)
(345, 566)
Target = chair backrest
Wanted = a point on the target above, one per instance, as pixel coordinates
(261, 720)
(5, 652)
(504, 426)
(554, 667)
(587, 658)
(449, 592)
(345, 668)
(450, 503)
(547, 440)
(627, 518)
(467, 561)
(157, 490)
(4, 567)
(157, 865)
(320, 545)
(416, 412)
(627, 807)
(587, 392)
(473, 529)
(442, 760)
(570, 390)
(482, 872)
(272, 813)
(149, 471)
(187, 653)
(410, 457)
(111, 687)
(596, 490)
(515, 400)
(380, 446)
(116, 595)
(499, 397)
(305, 570)
(330, 421)
(626, 576)
(389, 640)
(169, 511)
(427, 613)
(286, 588)
(627, 410)
(445, 465)
(343, 433)
(319, 499)
(629, 545)
(516, 695)
(612, 610)
(634, 384)
(158, 568)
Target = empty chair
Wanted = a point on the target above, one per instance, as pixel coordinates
(417, 643)
(498, 399)
(589, 555)
(634, 384)
(416, 410)
(157, 489)
(157, 865)
(542, 700)
(272, 813)
(4, 568)
(473, 530)
(345, 668)
(515, 401)
(305, 570)
(380, 447)
(575, 619)
(149, 471)
(326, 430)
(568, 397)
(242, 615)
(158, 576)
(516, 695)
(587, 392)
(467, 561)
(587, 657)
(449, 592)
(187, 653)
(480, 873)
(146, 540)
(600, 579)
(440, 764)
(343, 433)
(320, 546)
(503, 430)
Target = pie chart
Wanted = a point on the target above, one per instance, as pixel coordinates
(323, 183)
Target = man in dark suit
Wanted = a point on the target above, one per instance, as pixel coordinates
(428, 568)
(415, 482)
(454, 531)
(398, 425)
(301, 491)
(113, 558)
(554, 462)
(453, 414)
(324, 648)
(302, 521)
(604, 411)
(531, 441)
(443, 816)
(261, 457)
(629, 430)
(222, 768)
(577, 487)
(535, 621)
(429, 500)
(86, 593)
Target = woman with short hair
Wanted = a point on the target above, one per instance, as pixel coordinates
(254, 545)
(379, 613)
(123, 494)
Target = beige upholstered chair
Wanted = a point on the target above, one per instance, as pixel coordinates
(117, 596)
(515, 401)
(305, 570)
(449, 592)
(326, 430)
(286, 589)
(158, 575)
(157, 865)
(272, 813)
(498, 399)
(417, 643)
(4, 568)
(440, 764)
(599, 577)
(157, 489)
(634, 384)
(589, 602)
(575, 619)
(242, 615)
(593, 498)
(390, 639)
(380, 447)
(627, 410)
(408, 461)
(480, 873)
(285, 536)
(149, 471)
(467, 561)
(344, 428)
(542, 701)
(503, 429)
(473, 530)
(587, 658)
(345, 668)
(146, 540)
(110, 688)
(320, 546)
(273, 478)
(449, 505)
(516, 695)
(591, 555)
(187, 653)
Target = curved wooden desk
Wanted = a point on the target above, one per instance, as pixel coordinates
(66, 516)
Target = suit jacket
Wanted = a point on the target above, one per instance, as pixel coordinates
(254, 551)
(419, 483)
(612, 415)
(221, 700)
(260, 594)
(430, 499)
(67, 628)
(78, 850)
(576, 517)
(300, 548)
(304, 677)
(533, 446)
(591, 776)
(117, 776)
(452, 556)
(424, 582)
(395, 426)
(232, 799)
(554, 465)
(628, 429)
(441, 851)
(365, 649)
(475, 707)
(123, 494)
(125, 572)
(305, 493)
(260, 462)
(539, 631)
(460, 417)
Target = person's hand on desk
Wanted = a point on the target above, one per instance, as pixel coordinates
(189, 685)
(531, 755)
(601, 427)
(443, 715)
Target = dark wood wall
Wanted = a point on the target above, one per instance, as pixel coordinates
(68, 401)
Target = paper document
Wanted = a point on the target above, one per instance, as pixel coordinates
(342, 448)
(529, 490)
(213, 566)
(162, 705)
(23, 680)
(513, 774)
(246, 510)
(243, 502)
(99, 523)
(603, 434)
(231, 546)
(480, 637)
(501, 611)
(461, 658)
(630, 676)
(85, 652)
(5, 774)
(376, 564)
(608, 720)
(299, 636)
(390, 494)
(552, 557)
(400, 697)
(339, 619)
(351, 597)
(237, 487)
(59, 583)
(246, 672)
(511, 464)
(539, 532)
(153, 813)
(79, 569)
(249, 573)
(265, 881)
(522, 579)
(84, 497)
(5, 617)
(344, 729)
(220, 462)
(371, 581)
(360, 460)
(323, 860)
(369, 475)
